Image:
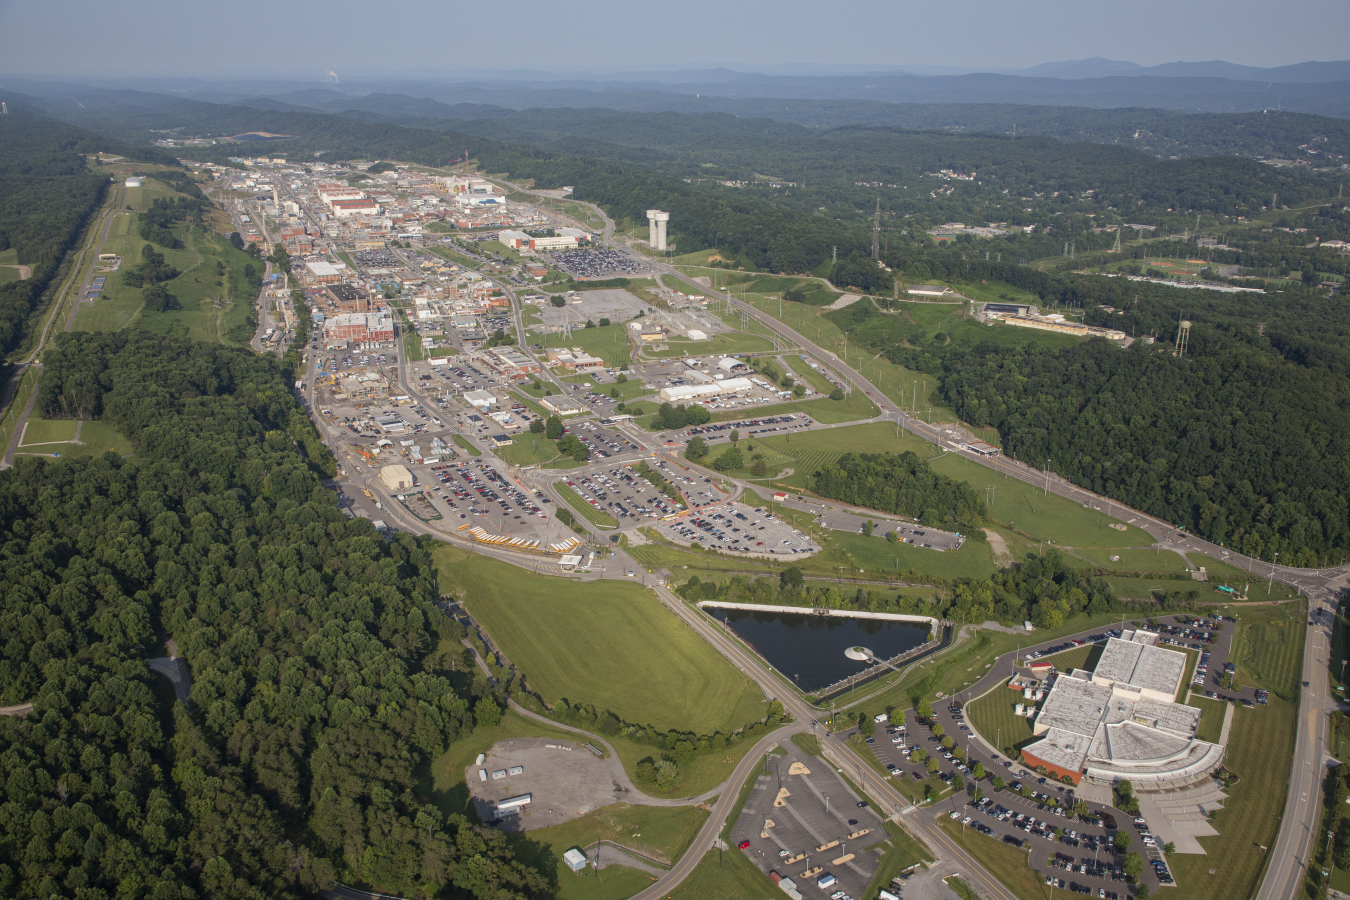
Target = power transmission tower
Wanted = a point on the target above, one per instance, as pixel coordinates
(876, 231)
(834, 255)
(1116, 248)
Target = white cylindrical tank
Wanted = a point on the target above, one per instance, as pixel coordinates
(1026, 693)
(661, 219)
(651, 228)
(1019, 709)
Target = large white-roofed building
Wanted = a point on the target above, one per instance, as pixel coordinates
(683, 393)
(1120, 722)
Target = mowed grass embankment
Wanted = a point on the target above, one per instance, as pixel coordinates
(596, 517)
(611, 644)
(1268, 651)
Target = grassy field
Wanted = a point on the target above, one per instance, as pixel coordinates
(596, 642)
(853, 407)
(609, 342)
(596, 517)
(997, 722)
(465, 445)
(1017, 505)
(1268, 647)
(1269, 653)
(8, 422)
(8, 273)
(214, 308)
(47, 431)
(1012, 865)
(725, 875)
(532, 449)
(663, 832)
(1211, 718)
(656, 831)
(631, 389)
(734, 342)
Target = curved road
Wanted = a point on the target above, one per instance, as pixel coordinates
(1303, 805)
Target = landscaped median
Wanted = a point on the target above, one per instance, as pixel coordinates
(596, 517)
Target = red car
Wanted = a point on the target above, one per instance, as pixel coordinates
(744, 845)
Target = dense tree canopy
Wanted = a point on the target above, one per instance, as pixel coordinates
(903, 484)
(316, 699)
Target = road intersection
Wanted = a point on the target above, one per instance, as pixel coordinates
(1324, 587)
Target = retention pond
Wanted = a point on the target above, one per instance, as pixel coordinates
(810, 648)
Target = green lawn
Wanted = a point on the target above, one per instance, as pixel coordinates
(897, 853)
(1268, 647)
(532, 449)
(214, 308)
(632, 389)
(853, 407)
(8, 273)
(1260, 747)
(99, 437)
(774, 461)
(1136, 560)
(725, 875)
(662, 832)
(48, 431)
(997, 722)
(1013, 866)
(465, 444)
(609, 342)
(9, 256)
(596, 517)
(1211, 718)
(597, 642)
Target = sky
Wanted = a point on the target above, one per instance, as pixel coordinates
(304, 38)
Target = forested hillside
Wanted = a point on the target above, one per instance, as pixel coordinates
(317, 701)
(1241, 447)
(47, 193)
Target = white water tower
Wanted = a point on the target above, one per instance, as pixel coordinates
(656, 228)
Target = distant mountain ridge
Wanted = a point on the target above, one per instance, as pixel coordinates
(1097, 67)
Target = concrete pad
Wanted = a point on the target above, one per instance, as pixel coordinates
(564, 780)
(1179, 817)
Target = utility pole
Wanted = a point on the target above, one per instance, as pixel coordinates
(876, 231)
(1271, 580)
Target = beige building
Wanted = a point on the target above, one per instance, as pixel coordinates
(396, 478)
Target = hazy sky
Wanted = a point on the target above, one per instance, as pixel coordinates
(305, 37)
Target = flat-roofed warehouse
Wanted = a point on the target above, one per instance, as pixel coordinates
(684, 392)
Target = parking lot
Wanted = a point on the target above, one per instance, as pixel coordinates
(803, 822)
(1083, 841)
(599, 262)
(581, 306)
(740, 528)
(622, 493)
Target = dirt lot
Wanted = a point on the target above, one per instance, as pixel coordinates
(564, 779)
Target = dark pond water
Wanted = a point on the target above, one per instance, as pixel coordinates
(810, 649)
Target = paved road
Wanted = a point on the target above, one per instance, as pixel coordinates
(1300, 828)
(1301, 816)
